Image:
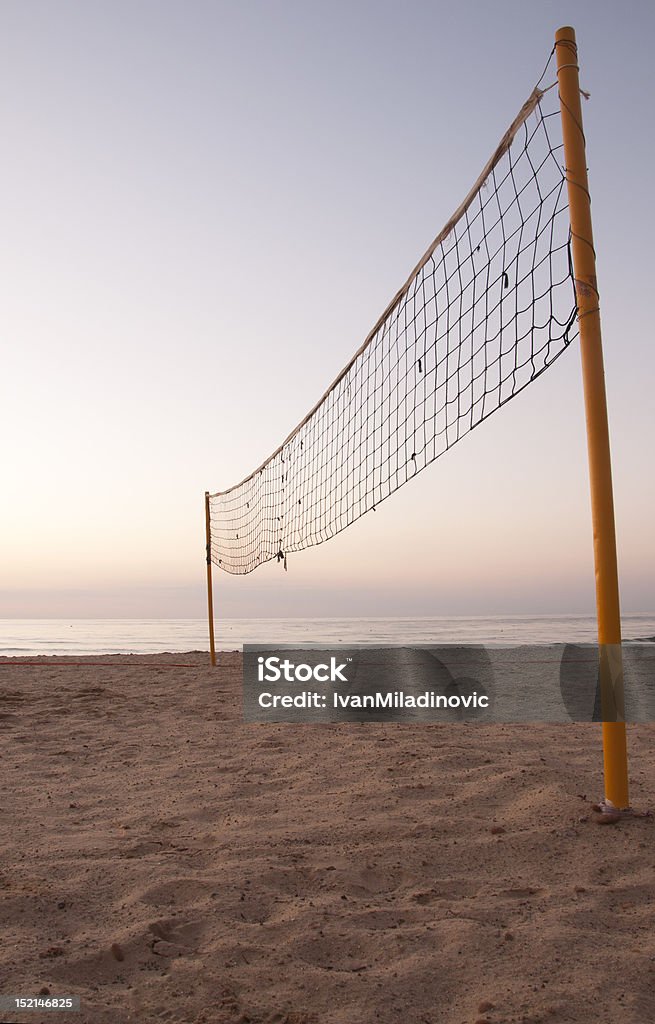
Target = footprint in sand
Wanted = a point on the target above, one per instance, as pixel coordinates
(184, 891)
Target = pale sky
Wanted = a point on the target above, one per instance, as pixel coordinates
(205, 207)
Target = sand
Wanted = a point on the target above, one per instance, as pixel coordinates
(166, 862)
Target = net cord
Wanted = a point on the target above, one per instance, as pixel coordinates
(528, 107)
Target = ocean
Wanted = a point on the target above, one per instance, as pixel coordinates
(79, 637)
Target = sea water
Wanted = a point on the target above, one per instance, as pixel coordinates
(79, 637)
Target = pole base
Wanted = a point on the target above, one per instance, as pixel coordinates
(605, 813)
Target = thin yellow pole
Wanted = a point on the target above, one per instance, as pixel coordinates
(210, 596)
(598, 445)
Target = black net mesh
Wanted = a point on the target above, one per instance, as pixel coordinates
(490, 306)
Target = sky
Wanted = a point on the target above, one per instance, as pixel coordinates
(206, 206)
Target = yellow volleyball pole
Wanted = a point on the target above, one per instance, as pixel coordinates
(210, 596)
(598, 445)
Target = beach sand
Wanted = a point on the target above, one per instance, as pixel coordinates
(166, 862)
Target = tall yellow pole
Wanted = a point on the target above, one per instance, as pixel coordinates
(598, 445)
(210, 596)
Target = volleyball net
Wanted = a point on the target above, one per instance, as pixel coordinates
(487, 309)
